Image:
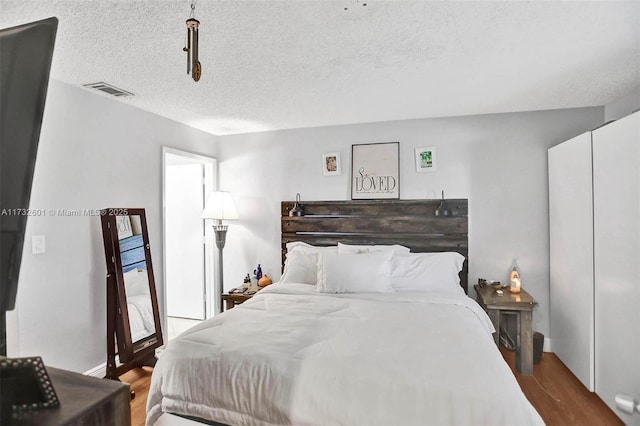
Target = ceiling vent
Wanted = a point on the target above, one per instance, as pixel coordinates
(108, 89)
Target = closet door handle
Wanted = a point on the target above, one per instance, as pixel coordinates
(627, 404)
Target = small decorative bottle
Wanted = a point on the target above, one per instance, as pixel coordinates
(258, 272)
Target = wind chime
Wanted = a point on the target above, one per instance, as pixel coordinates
(193, 65)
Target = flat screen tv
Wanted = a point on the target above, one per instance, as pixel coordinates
(26, 52)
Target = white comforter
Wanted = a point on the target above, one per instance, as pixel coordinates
(141, 320)
(292, 356)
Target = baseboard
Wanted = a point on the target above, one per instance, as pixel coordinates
(100, 371)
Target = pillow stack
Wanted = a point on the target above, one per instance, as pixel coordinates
(372, 268)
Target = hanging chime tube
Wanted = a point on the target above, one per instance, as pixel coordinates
(193, 65)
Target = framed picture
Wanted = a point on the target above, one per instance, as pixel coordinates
(375, 171)
(425, 159)
(331, 164)
(124, 227)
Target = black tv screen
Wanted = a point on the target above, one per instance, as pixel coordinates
(26, 52)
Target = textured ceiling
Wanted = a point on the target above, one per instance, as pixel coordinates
(301, 63)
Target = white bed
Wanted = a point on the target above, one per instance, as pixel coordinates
(369, 325)
(292, 355)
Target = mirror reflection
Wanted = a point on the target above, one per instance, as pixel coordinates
(136, 278)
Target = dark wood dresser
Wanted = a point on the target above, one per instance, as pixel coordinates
(84, 400)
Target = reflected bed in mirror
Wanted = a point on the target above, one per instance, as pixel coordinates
(133, 317)
(135, 276)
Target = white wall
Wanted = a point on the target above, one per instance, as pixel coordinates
(95, 152)
(498, 162)
(623, 106)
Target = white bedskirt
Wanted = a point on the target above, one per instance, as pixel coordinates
(290, 355)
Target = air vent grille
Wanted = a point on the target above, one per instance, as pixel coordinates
(108, 89)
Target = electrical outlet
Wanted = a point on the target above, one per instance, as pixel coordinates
(37, 244)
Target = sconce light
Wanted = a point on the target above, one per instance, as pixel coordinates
(514, 281)
(193, 65)
(443, 209)
(297, 209)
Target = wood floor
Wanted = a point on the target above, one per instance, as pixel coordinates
(558, 395)
(553, 390)
(139, 380)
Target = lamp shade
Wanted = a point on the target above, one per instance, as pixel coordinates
(220, 206)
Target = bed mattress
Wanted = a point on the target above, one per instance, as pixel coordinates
(291, 355)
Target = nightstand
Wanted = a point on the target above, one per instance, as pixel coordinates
(232, 299)
(519, 304)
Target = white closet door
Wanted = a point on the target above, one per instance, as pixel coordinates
(571, 256)
(616, 173)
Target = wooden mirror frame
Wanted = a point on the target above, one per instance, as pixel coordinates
(131, 354)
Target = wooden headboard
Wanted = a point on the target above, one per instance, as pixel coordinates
(411, 223)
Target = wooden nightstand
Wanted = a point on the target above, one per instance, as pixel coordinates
(519, 304)
(232, 299)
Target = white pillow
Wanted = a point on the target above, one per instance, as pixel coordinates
(427, 272)
(300, 267)
(299, 246)
(354, 273)
(356, 249)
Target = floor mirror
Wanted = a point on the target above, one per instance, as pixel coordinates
(133, 318)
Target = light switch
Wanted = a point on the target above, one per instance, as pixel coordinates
(37, 244)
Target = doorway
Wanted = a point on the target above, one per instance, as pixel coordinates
(188, 253)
